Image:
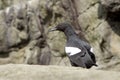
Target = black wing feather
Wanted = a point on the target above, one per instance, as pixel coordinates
(88, 47)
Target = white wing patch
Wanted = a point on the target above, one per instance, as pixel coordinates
(91, 50)
(72, 50)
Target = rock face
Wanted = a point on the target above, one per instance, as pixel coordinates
(35, 72)
(22, 39)
(24, 25)
(101, 28)
(23, 32)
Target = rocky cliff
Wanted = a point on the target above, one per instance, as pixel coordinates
(24, 25)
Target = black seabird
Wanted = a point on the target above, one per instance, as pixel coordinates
(79, 52)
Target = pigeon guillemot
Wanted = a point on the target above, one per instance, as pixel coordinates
(79, 52)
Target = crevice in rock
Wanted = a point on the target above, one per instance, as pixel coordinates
(107, 55)
(91, 5)
(73, 14)
(98, 25)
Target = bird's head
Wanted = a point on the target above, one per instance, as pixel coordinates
(60, 27)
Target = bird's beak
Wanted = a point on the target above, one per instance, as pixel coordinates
(52, 29)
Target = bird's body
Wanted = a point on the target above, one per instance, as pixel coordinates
(79, 51)
(82, 58)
